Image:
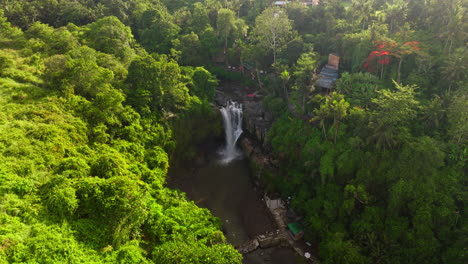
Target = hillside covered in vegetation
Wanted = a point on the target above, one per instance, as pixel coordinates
(85, 138)
(98, 98)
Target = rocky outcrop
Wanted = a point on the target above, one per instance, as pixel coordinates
(256, 120)
(256, 123)
(248, 246)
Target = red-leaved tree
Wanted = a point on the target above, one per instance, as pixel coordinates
(385, 51)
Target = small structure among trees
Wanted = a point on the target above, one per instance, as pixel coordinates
(296, 230)
(307, 3)
(329, 73)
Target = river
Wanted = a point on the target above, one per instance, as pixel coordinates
(227, 191)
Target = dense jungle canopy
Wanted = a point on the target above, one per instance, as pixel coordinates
(99, 97)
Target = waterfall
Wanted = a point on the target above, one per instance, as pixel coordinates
(232, 117)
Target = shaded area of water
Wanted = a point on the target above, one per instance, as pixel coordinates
(226, 190)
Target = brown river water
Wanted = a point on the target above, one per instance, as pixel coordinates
(227, 191)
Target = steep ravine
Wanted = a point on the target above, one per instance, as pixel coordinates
(229, 191)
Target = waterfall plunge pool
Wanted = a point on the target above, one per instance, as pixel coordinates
(222, 184)
(227, 191)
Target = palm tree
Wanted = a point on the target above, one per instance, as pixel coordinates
(334, 109)
(456, 67)
(284, 76)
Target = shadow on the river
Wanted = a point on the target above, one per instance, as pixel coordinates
(227, 191)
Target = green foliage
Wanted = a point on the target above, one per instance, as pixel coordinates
(82, 173)
(131, 252)
(77, 73)
(359, 88)
(89, 120)
(223, 74)
(45, 39)
(274, 104)
(272, 30)
(372, 206)
(190, 47)
(304, 68)
(457, 118)
(111, 36)
(187, 252)
(156, 30)
(204, 84)
(225, 24)
(336, 249)
(193, 127)
(60, 197)
(50, 244)
(393, 110)
(155, 86)
(333, 109)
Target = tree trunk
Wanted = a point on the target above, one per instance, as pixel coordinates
(260, 84)
(225, 44)
(399, 69)
(303, 103)
(274, 55)
(450, 47)
(274, 48)
(286, 96)
(324, 130)
(381, 72)
(336, 132)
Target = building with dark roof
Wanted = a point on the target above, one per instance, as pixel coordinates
(307, 3)
(329, 73)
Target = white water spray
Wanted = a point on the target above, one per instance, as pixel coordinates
(232, 117)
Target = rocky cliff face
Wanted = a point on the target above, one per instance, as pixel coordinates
(256, 122)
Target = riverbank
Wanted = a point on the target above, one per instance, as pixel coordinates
(228, 192)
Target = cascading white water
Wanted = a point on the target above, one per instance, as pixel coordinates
(232, 117)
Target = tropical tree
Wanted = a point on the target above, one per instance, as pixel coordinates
(111, 36)
(360, 11)
(200, 18)
(385, 50)
(272, 29)
(285, 76)
(204, 84)
(392, 14)
(332, 110)
(348, 251)
(77, 73)
(455, 67)
(156, 30)
(457, 114)
(155, 85)
(190, 47)
(304, 75)
(225, 24)
(393, 110)
(453, 15)
(234, 5)
(359, 88)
